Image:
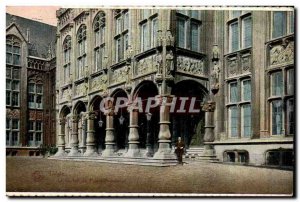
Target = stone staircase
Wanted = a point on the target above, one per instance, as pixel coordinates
(197, 154)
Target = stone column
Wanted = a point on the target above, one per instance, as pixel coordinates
(133, 137)
(90, 140)
(61, 138)
(164, 150)
(209, 136)
(74, 137)
(109, 136)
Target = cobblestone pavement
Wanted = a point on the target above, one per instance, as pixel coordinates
(24, 174)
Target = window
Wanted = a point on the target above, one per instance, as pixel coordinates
(246, 90)
(282, 23)
(12, 132)
(233, 121)
(12, 86)
(279, 24)
(282, 102)
(35, 95)
(67, 58)
(239, 108)
(122, 25)
(240, 31)
(234, 36)
(247, 32)
(188, 29)
(154, 32)
(290, 82)
(277, 84)
(35, 133)
(290, 117)
(144, 37)
(195, 36)
(233, 92)
(148, 29)
(246, 120)
(13, 51)
(99, 30)
(277, 117)
(82, 48)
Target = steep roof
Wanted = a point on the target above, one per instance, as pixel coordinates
(41, 35)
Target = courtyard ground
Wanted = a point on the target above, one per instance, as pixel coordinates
(24, 174)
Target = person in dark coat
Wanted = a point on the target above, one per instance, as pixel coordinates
(179, 150)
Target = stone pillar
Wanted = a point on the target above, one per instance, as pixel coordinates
(61, 138)
(109, 136)
(74, 137)
(164, 150)
(90, 140)
(133, 137)
(209, 136)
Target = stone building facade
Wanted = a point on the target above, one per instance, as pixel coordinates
(238, 65)
(30, 86)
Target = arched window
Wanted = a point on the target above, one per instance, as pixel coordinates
(82, 49)
(99, 29)
(67, 58)
(35, 95)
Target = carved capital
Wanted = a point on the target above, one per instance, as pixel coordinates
(75, 118)
(62, 121)
(91, 115)
(209, 106)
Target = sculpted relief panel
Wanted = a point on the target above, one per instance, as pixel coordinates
(120, 75)
(81, 89)
(99, 83)
(66, 95)
(281, 54)
(147, 65)
(232, 66)
(191, 66)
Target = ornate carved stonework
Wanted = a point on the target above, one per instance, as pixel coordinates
(15, 113)
(232, 66)
(81, 16)
(35, 115)
(190, 66)
(281, 54)
(66, 95)
(147, 65)
(246, 63)
(119, 75)
(99, 83)
(65, 16)
(209, 106)
(81, 89)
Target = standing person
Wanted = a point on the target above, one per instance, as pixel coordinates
(179, 150)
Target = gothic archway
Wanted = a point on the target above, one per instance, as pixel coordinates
(187, 120)
(147, 124)
(99, 124)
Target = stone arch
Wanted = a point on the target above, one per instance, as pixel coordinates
(121, 119)
(65, 110)
(145, 90)
(187, 124)
(141, 85)
(79, 107)
(100, 122)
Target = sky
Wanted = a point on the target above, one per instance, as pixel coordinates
(45, 14)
